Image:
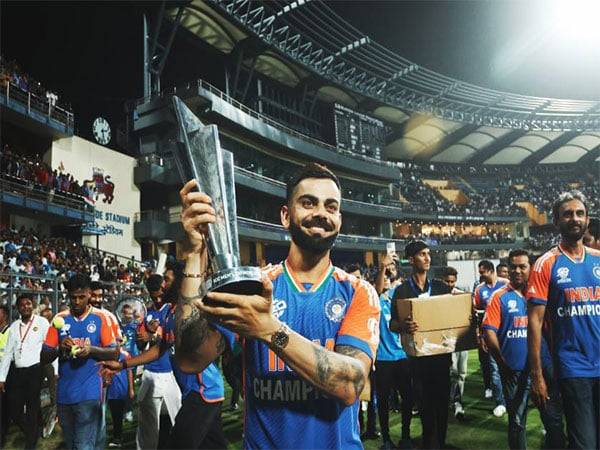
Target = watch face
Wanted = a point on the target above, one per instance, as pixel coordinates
(101, 131)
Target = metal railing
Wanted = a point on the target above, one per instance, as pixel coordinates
(281, 127)
(31, 190)
(12, 285)
(39, 105)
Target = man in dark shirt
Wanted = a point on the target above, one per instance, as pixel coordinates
(432, 371)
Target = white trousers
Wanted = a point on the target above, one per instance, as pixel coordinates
(158, 394)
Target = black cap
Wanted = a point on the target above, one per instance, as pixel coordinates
(414, 247)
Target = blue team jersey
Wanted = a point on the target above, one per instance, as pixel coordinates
(390, 348)
(570, 290)
(483, 293)
(79, 379)
(281, 409)
(129, 331)
(162, 364)
(119, 385)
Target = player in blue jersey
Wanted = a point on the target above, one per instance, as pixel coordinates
(564, 291)
(481, 297)
(84, 337)
(392, 372)
(309, 339)
(505, 331)
(158, 391)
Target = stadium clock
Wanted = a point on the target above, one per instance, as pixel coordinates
(101, 130)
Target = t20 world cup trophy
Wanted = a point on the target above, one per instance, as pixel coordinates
(198, 155)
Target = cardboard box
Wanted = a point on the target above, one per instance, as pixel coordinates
(445, 324)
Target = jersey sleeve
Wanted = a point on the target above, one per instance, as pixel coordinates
(477, 298)
(51, 340)
(360, 326)
(107, 337)
(539, 281)
(493, 314)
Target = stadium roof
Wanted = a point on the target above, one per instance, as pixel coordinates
(435, 118)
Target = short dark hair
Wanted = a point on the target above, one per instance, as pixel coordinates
(95, 285)
(154, 282)
(5, 309)
(567, 197)
(502, 264)
(594, 227)
(353, 268)
(518, 252)
(310, 170)
(79, 281)
(487, 265)
(449, 271)
(23, 296)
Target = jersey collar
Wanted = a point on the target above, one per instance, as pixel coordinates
(514, 289)
(574, 261)
(84, 316)
(298, 287)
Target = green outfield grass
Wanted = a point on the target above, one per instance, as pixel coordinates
(479, 430)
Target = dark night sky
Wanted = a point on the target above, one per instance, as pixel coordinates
(91, 53)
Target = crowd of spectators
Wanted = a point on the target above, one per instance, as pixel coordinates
(11, 72)
(32, 170)
(52, 260)
(496, 191)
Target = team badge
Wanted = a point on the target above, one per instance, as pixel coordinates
(91, 328)
(35, 329)
(512, 306)
(335, 309)
(596, 271)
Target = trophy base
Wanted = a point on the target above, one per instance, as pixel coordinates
(242, 280)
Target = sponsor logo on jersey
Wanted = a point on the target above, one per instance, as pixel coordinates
(563, 275)
(512, 306)
(335, 309)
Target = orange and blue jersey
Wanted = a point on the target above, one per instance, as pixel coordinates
(119, 385)
(506, 315)
(570, 290)
(483, 293)
(390, 347)
(281, 409)
(79, 379)
(163, 363)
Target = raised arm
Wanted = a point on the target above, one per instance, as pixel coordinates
(197, 343)
(535, 319)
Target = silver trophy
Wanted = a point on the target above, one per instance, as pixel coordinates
(198, 155)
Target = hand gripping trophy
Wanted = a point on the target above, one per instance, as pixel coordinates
(198, 155)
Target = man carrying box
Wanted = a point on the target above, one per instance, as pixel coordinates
(432, 371)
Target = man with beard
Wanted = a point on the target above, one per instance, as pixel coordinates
(310, 337)
(24, 381)
(564, 291)
(433, 372)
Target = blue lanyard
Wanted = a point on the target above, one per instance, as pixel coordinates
(416, 289)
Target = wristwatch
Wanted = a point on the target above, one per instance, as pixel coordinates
(280, 339)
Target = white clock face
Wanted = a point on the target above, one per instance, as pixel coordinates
(101, 131)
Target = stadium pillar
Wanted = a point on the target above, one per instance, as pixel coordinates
(260, 253)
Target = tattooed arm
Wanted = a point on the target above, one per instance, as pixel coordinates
(197, 343)
(341, 374)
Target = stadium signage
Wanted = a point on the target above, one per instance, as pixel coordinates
(469, 218)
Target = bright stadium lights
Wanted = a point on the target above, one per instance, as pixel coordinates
(576, 21)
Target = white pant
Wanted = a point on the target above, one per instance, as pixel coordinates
(159, 393)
